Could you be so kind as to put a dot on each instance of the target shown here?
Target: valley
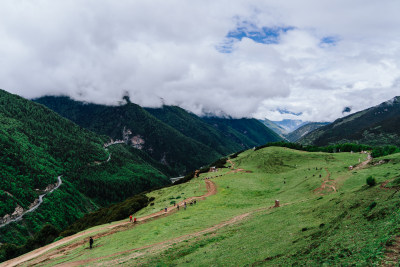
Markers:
(37, 146)
(315, 224)
(199, 133)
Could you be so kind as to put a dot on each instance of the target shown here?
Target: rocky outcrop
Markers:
(137, 142)
(8, 217)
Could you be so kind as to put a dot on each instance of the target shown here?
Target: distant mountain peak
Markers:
(391, 102)
(377, 125)
(290, 125)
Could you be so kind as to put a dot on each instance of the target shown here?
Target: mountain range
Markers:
(304, 130)
(171, 135)
(37, 146)
(378, 125)
(55, 169)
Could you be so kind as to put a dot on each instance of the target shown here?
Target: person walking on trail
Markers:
(134, 220)
(184, 205)
(177, 207)
(91, 242)
(165, 209)
(130, 218)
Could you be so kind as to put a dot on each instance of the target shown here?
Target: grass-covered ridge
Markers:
(375, 126)
(345, 222)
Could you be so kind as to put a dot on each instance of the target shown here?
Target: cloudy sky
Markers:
(245, 58)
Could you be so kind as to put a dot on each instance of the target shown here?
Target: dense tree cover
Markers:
(223, 135)
(45, 236)
(303, 130)
(381, 151)
(109, 214)
(60, 208)
(125, 175)
(49, 232)
(376, 126)
(171, 135)
(249, 132)
(161, 141)
(328, 149)
(37, 145)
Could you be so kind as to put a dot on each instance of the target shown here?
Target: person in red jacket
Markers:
(134, 220)
(130, 218)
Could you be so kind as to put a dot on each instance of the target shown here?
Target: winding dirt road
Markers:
(211, 190)
(39, 200)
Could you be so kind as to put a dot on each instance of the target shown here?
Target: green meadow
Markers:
(346, 223)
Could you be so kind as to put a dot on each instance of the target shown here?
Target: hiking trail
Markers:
(211, 190)
(160, 246)
(325, 184)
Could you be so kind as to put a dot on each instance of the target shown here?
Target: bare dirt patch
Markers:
(392, 255)
(328, 185)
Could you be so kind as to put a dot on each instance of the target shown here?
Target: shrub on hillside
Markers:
(371, 181)
(45, 236)
(114, 212)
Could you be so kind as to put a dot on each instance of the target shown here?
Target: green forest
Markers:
(37, 145)
(182, 140)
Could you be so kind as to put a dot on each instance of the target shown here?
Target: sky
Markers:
(287, 59)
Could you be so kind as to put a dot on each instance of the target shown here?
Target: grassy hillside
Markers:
(37, 145)
(328, 215)
(378, 125)
(303, 130)
(143, 130)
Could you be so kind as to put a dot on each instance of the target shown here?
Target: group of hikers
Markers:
(208, 178)
(132, 219)
(193, 202)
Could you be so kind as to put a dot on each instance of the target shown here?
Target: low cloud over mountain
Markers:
(243, 59)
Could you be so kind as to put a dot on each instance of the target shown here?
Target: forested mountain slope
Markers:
(379, 125)
(170, 135)
(138, 128)
(37, 145)
(303, 130)
(249, 132)
(218, 134)
(275, 127)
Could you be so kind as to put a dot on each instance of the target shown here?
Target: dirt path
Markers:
(211, 190)
(232, 164)
(325, 185)
(364, 163)
(168, 243)
(233, 170)
(161, 245)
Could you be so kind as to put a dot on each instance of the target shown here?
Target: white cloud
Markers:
(96, 50)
